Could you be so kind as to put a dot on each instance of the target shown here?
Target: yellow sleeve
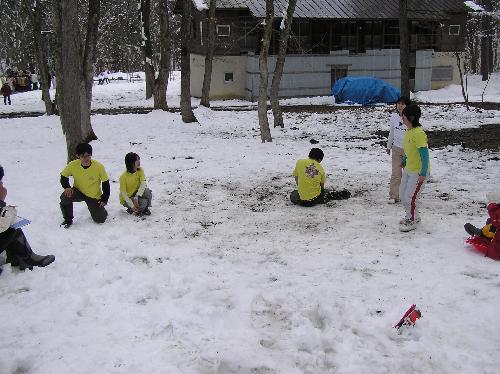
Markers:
(103, 174)
(67, 171)
(142, 176)
(123, 185)
(421, 140)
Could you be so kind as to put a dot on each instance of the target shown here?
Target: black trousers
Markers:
(295, 198)
(7, 98)
(15, 244)
(98, 213)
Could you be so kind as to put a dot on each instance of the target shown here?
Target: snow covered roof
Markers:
(474, 6)
(364, 9)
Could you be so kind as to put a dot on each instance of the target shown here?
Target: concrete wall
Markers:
(423, 70)
(310, 75)
(444, 60)
(221, 65)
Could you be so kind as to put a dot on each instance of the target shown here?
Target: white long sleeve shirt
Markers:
(396, 132)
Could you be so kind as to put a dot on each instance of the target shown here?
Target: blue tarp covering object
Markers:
(364, 91)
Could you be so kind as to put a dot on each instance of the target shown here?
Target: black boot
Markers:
(35, 260)
(472, 230)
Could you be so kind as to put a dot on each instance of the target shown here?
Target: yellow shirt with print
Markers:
(87, 181)
(130, 182)
(310, 175)
(414, 139)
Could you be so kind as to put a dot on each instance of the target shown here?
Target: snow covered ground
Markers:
(227, 276)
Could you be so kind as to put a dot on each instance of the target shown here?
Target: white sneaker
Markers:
(403, 220)
(408, 225)
(393, 201)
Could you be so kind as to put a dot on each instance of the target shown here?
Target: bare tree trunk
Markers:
(74, 71)
(404, 48)
(265, 132)
(280, 64)
(485, 69)
(69, 71)
(147, 46)
(464, 93)
(40, 55)
(160, 89)
(87, 79)
(209, 57)
(186, 109)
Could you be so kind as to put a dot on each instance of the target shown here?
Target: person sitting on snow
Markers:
(13, 241)
(488, 232)
(310, 179)
(134, 194)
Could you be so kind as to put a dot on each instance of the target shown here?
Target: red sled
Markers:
(409, 318)
(478, 243)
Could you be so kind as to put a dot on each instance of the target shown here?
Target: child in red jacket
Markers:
(489, 232)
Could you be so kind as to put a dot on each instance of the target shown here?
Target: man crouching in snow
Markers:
(88, 175)
(310, 178)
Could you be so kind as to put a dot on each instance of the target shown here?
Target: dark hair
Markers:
(404, 99)
(413, 113)
(1, 172)
(130, 159)
(83, 148)
(316, 154)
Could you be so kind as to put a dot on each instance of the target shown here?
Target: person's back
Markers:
(310, 178)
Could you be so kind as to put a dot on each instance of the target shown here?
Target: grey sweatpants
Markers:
(409, 192)
(144, 200)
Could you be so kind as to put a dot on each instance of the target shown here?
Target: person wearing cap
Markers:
(13, 241)
(416, 166)
(395, 145)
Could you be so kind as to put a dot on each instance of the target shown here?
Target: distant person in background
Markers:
(106, 76)
(88, 176)
(34, 81)
(416, 166)
(13, 241)
(6, 92)
(54, 81)
(395, 144)
(134, 193)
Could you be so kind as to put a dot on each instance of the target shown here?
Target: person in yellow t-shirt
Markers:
(416, 166)
(88, 176)
(310, 178)
(134, 194)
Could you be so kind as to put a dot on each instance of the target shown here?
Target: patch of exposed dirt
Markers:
(485, 137)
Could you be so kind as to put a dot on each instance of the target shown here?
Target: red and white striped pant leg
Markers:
(409, 194)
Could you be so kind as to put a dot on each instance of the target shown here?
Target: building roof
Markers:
(364, 9)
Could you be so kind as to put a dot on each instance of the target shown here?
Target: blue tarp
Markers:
(364, 91)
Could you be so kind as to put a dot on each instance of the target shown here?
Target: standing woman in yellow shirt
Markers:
(416, 166)
(134, 194)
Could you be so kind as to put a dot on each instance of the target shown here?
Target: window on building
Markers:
(223, 30)
(299, 41)
(442, 73)
(249, 34)
(391, 34)
(454, 30)
(424, 35)
(228, 77)
(339, 36)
